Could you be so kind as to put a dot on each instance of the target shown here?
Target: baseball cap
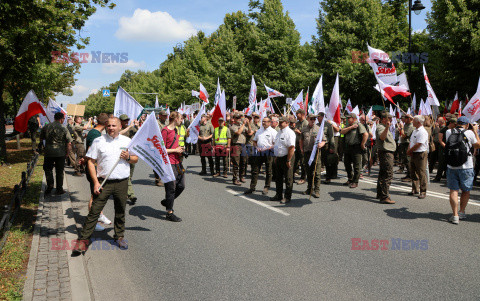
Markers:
(463, 120)
(284, 119)
(353, 115)
(124, 117)
(385, 115)
(163, 113)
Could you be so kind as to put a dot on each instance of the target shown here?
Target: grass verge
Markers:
(14, 258)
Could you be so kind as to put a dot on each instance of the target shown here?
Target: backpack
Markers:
(456, 148)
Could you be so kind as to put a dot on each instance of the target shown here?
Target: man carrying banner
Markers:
(162, 122)
(355, 138)
(105, 151)
(299, 125)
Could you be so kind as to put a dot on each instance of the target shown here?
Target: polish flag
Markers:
(203, 93)
(31, 106)
(455, 104)
(334, 106)
(220, 110)
(391, 91)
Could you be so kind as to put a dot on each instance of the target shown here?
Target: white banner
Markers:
(318, 139)
(194, 127)
(318, 101)
(148, 145)
(126, 104)
(252, 96)
(382, 66)
(298, 103)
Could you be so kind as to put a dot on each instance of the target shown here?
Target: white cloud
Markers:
(158, 26)
(79, 89)
(118, 68)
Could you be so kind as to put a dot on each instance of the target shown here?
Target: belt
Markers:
(385, 151)
(112, 180)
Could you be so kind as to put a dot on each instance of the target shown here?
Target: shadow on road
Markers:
(142, 212)
(403, 213)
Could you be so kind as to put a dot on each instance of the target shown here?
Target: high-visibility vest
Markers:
(181, 135)
(341, 127)
(222, 139)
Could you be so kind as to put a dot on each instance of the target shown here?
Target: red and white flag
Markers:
(334, 105)
(220, 110)
(472, 108)
(455, 104)
(203, 93)
(432, 98)
(389, 91)
(272, 93)
(30, 107)
(148, 145)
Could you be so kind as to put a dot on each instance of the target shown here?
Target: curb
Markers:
(32, 260)
(79, 281)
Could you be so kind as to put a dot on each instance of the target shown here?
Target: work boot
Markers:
(237, 182)
(265, 191)
(203, 172)
(316, 194)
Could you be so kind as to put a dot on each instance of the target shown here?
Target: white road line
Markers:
(235, 193)
(429, 193)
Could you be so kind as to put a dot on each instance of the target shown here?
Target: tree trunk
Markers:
(3, 144)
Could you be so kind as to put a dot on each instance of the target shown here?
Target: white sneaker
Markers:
(99, 227)
(104, 219)
(454, 219)
(462, 215)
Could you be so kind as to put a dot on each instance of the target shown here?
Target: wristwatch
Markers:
(128, 160)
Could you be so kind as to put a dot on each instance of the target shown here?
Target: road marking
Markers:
(408, 189)
(235, 193)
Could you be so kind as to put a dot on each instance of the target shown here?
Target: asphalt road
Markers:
(229, 247)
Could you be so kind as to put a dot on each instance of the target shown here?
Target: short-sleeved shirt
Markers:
(407, 130)
(78, 129)
(444, 132)
(92, 135)
(309, 134)
(106, 151)
(254, 128)
(131, 132)
(389, 143)
(285, 138)
(419, 135)
(205, 131)
(265, 137)
(238, 139)
(299, 125)
(168, 136)
(56, 138)
(354, 136)
(471, 140)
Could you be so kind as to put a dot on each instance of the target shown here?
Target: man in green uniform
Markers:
(71, 153)
(205, 148)
(239, 130)
(129, 131)
(299, 125)
(57, 142)
(386, 148)
(162, 122)
(221, 140)
(405, 132)
(355, 138)
(307, 142)
(329, 152)
(33, 126)
(78, 145)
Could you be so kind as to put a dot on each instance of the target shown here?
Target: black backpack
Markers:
(456, 148)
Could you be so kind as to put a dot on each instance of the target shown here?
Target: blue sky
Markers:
(149, 29)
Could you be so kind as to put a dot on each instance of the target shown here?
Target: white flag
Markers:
(374, 131)
(318, 139)
(298, 103)
(356, 110)
(369, 114)
(252, 96)
(472, 108)
(217, 93)
(126, 104)
(402, 79)
(156, 102)
(382, 66)
(432, 98)
(148, 145)
(194, 127)
(349, 107)
(414, 104)
(318, 101)
(335, 103)
(53, 108)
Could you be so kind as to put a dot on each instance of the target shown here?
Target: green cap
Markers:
(124, 117)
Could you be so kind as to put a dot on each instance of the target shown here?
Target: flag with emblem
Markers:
(272, 93)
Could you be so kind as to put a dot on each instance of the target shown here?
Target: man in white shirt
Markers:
(460, 172)
(284, 150)
(418, 150)
(263, 153)
(105, 151)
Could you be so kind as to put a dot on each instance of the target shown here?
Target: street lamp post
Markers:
(417, 8)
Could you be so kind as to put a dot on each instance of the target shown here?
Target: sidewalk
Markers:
(52, 273)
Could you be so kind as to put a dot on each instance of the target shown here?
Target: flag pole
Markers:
(314, 171)
(271, 99)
